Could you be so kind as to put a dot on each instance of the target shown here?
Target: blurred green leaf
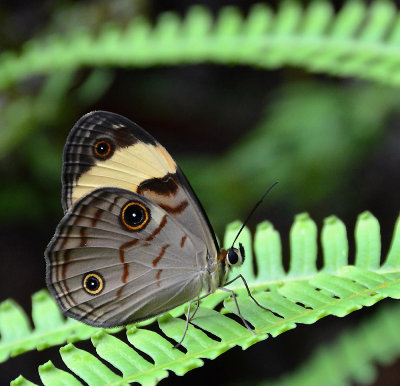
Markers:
(312, 138)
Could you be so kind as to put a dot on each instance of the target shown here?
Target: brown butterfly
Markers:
(135, 241)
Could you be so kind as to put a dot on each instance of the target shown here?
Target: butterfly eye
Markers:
(233, 257)
(134, 216)
(102, 149)
(93, 283)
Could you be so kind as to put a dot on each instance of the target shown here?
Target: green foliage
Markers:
(309, 132)
(353, 356)
(51, 328)
(359, 41)
(302, 295)
(25, 114)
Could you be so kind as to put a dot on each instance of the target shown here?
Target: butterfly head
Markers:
(235, 256)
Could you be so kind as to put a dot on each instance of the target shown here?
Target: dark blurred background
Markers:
(333, 144)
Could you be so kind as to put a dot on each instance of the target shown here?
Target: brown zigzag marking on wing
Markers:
(159, 257)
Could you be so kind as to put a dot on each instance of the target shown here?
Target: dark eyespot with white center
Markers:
(93, 283)
(103, 149)
(135, 216)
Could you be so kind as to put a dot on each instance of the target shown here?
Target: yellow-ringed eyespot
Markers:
(93, 283)
(135, 216)
(103, 149)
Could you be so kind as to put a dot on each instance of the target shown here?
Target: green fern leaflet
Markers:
(352, 357)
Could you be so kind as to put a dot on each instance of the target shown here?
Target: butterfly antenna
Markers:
(254, 209)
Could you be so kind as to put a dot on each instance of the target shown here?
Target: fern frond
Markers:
(360, 41)
(353, 356)
(50, 328)
(303, 295)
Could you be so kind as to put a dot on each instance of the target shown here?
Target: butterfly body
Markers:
(134, 241)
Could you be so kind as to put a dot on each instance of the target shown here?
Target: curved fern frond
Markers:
(359, 40)
(352, 358)
(302, 295)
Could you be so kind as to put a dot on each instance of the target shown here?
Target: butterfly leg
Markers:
(190, 317)
(248, 290)
(237, 308)
(195, 310)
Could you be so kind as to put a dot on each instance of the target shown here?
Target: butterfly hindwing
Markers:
(117, 258)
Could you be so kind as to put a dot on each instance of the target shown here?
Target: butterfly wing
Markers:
(107, 272)
(106, 149)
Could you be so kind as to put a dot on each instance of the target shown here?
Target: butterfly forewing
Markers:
(107, 150)
(107, 271)
(86, 167)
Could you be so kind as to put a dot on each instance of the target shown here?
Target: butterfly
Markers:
(134, 241)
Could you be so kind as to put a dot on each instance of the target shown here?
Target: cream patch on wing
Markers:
(167, 157)
(126, 169)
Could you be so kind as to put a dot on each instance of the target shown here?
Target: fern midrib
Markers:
(320, 42)
(198, 354)
(288, 279)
